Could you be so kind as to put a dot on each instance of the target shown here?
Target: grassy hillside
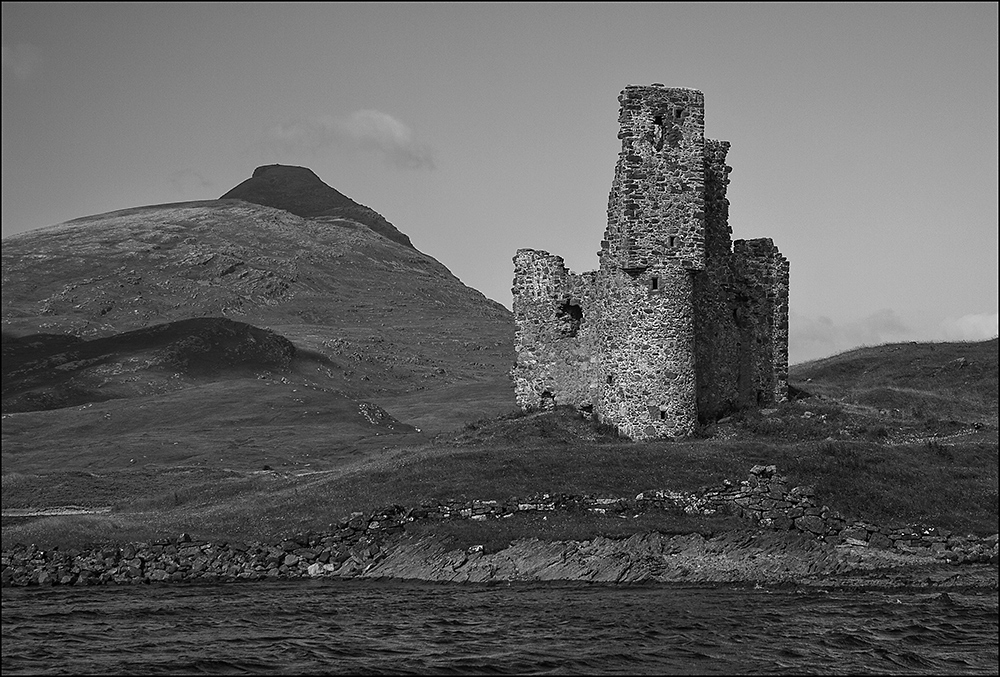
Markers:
(867, 462)
(242, 368)
(383, 319)
(920, 380)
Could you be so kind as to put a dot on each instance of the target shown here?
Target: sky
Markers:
(864, 136)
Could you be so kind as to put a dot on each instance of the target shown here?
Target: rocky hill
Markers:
(298, 190)
(379, 319)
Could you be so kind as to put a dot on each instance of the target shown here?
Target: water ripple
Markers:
(346, 627)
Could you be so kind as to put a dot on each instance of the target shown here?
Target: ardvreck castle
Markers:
(679, 323)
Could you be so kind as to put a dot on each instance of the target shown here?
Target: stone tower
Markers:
(678, 323)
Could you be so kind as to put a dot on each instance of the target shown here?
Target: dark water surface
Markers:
(365, 627)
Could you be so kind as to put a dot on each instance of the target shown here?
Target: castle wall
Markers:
(553, 310)
(764, 331)
(654, 239)
(679, 323)
(646, 352)
(656, 206)
(716, 297)
(779, 336)
(718, 232)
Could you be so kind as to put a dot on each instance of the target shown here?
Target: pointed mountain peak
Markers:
(286, 172)
(300, 191)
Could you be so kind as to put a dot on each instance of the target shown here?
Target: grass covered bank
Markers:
(893, 462)
(953, 486)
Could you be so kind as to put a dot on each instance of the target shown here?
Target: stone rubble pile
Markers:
(766, 499)
(359, 542)
(346, 550)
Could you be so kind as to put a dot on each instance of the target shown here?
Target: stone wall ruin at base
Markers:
(362, 540)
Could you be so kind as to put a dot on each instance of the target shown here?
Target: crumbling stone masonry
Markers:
(679, 323)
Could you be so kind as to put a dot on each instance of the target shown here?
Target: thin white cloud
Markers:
(811, 338)
(974, 327)
(21, 60)
(300, 136)
(368, 131)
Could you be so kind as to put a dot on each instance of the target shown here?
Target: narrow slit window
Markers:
(654, 283)
(663, 415)
(673, 240)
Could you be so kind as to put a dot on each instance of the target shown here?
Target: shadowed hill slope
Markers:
(298, 190)
(48, 372)
(227, 371)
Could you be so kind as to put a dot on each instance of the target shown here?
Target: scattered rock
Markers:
(376, 545)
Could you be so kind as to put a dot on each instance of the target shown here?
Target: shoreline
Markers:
(788, 539)
(749, 559)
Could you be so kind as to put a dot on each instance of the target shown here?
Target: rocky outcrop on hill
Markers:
(298, 190)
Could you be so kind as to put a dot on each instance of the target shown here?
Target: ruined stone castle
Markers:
(679, 323)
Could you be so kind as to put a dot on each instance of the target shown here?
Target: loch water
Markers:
(351, 627)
